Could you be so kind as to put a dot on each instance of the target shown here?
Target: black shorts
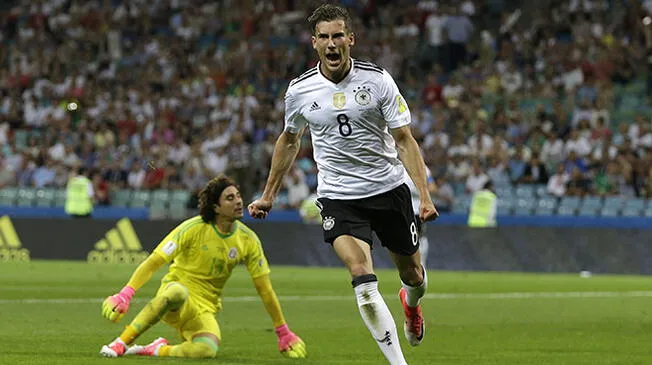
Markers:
(389, 214)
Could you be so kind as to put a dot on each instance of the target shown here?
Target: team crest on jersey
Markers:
(339, 100)
(233, 253)
(362, 95)
(328, 224)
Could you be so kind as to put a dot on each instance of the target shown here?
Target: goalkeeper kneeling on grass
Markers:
(203, 250)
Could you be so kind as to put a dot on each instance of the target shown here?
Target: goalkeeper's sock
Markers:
(200, 347)
(415, 293)
(378, 318)
(171, 298)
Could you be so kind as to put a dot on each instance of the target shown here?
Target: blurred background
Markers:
(547, 99)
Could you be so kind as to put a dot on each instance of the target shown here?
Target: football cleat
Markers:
(147, 350)
(115, 349)
(414, 326)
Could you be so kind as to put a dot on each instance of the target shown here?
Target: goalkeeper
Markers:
(203, 250)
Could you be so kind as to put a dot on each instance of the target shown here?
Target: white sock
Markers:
(423, 248)
(415, 293)
(379, 321)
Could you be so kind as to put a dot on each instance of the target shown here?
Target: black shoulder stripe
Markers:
(368, 64)
(380, 71)
(303, 77)
(307, 72)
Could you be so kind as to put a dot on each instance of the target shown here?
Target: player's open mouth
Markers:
(333, 58)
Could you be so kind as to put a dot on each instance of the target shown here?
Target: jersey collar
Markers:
(344, 79)
(222, 235)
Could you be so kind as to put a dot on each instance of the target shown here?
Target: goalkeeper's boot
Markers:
(147, 350)
(414, 326)
(116, 348)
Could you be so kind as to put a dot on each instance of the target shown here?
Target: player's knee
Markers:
(176, 294)
(412, 275)
(203, 350)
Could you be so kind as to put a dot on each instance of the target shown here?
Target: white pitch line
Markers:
(292, 298)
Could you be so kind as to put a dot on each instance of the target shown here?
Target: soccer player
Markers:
(424, 244)
(203, 250)
(358, 120)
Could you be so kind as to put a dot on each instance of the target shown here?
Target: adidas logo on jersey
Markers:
(119, 245)
(10, 245)
(314, 106)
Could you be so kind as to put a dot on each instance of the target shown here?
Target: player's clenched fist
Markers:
(259, 208)
(117, 305)
(290, 344)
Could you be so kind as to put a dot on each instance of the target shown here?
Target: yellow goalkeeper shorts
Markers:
(190, 320)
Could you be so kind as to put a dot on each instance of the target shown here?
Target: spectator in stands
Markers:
(535, 172)
(557, 183)
(444, 195)
(578, 185)
(516, 164)
(101, 189)
(136, 177)
(477, 179)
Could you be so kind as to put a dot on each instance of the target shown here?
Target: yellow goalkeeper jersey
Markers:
(203, 258)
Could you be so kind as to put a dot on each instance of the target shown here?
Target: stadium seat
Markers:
(566, 211)
(121, 198)
(504, 205)
(544, 211)
(631, 212)
(60, 198)
(504, 192)
(635, 204)
(8, 196)
(177, 210)
(523, 211)
(525, 191)
(20, 138)
(608, 211)
(179, 196)
(139, 199)
(541, 190)
(614, 202)
(570, 202)
(461, 204)
(26, 197)
(588, 211)
(547, 203)
(648, 212)
(158, 210)
(591, 202)
(160, 196)
(525, 205)
(45, 197)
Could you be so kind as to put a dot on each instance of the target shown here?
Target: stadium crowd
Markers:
(168, 93)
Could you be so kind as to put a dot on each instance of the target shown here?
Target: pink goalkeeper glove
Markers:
(290, 344)
(117, 305)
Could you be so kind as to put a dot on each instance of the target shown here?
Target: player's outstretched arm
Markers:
(410, 155)
(285, 151)
(289, 344)
(117, 305)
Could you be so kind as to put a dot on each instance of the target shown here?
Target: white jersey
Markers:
(414, 193)
(355, 153)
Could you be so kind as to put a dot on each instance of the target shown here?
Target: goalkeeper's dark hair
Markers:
(209, 196)
(327, 13)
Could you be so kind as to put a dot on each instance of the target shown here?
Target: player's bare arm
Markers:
(285, 151)
(409, 154)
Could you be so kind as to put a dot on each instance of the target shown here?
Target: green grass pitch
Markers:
(50, 314)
